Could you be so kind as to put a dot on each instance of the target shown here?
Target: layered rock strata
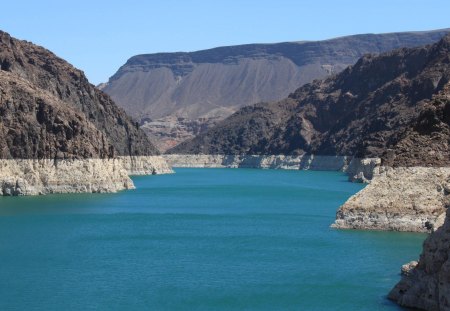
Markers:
(399, 199)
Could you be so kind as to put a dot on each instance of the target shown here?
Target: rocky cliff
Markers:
(425, 284)
(198, 88)
(60, 133)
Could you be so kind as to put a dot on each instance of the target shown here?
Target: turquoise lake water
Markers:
(200, 239)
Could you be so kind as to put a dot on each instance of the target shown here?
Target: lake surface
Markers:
(200, 239)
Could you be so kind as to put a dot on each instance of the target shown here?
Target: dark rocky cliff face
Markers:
(34, 124)
(215, 83)
(426, 285)
(393, 106)
(48, 109)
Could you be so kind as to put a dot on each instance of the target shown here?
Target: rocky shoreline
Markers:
(45, 176)
(425, 284)
(305, 162)
(145, 165)
(359, 170)
(398, 199)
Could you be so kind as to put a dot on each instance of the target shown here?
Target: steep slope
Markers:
(49, 73)
(387, 106)
(36, 125)
(60, 133)
(425, 284)
(215, 83)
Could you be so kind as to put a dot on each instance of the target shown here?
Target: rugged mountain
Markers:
(214, 83)
(60, 133)
(394, 106)
(36, 124)
(46, 73)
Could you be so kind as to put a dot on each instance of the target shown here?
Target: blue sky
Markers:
(99, 36)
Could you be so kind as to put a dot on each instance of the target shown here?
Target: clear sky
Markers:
(99, 36)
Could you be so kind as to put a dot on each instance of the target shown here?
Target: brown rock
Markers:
(59, 99)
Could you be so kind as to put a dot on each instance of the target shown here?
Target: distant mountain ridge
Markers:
(212, 84)
(395, 106)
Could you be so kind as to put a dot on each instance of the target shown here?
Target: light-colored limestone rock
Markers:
(195, 160)
(145, 165)
(32, 177)
(306, 162)
(407, 268)
(363, 170)
(400, 199)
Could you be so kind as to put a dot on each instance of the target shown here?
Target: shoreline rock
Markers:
(398, 199)
(426, 285)
(145, 165)
(304, 162)
(35, 177)
(46, 176)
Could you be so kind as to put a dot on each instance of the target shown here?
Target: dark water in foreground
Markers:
(201, 239)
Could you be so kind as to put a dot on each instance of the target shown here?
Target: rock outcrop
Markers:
(145, 165)
(200, 87)
(398, 199)
(167, 132)
(60, 133)
(45, 176)
(426, 285)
